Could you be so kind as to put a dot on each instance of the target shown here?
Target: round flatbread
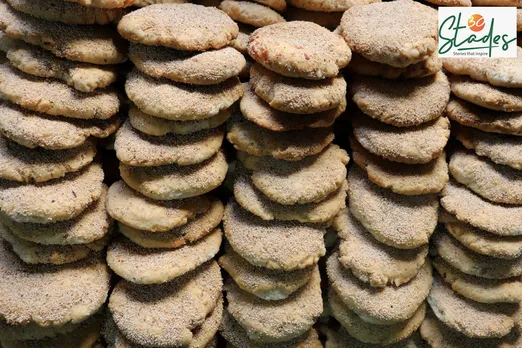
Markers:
(181, 102)
(499, 219)
(376, 32)
(328, 5)
(89, 44)
(157, 266)
(383, 306)
(276, 245)
(299, 49)
(293, 145)
(404, 222)
(363, 66)
(497, 183)
(310, 180)
(33, 130)
(405, 179)
(199, 68)
(196, 228)
(371, 261)
(34, 253)
(204, 336)
(268, 284)
(479, 289)
(412, 145)
(258, 204)
(438, 334)
(341, 338)
(470, 115)
(137, 149)
(501, 149)
(55, 98)
(71, 293)
(474, 264)
(250, 13)
(39, 62)
(166, 314)
(18, 163)
(157, 126)
(473, 319)
(66, 12)
(139, 212)
(175, 182)
(485, 243)
(91, 225)
(276, 321)
(371, 334)
(52, 201)
(485, 95)
(179, 26)
(297, 96)
(259, 112)
(502, 72)
(329, 20)
(237, 337)
(402, 104)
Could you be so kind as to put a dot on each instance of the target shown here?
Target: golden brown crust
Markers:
(412, 145)
(393, 336)
(171, 181)
(277, 245)
(402, 104)
(400, 221)
(52, 201)
(18, 163)
(387, 306)
(199, 68)
(259, 112)
(137, 211)
(56, 98)
(89, 44)
(33, 130)
(406, 179)
(276, 321)
(297, 96)
(388, 43)
(253, 14)
(180, 26)
(499, 219)
(157, 266)
(292, 145)
(468, 317)
(299, 49)
(175, 101)
(137, 149)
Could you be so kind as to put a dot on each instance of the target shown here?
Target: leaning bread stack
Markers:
(381, 275)
(290, 182)
(477, 289)
(60, 60)
(182, 87)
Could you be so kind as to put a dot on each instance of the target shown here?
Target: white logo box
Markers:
(490, 33)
